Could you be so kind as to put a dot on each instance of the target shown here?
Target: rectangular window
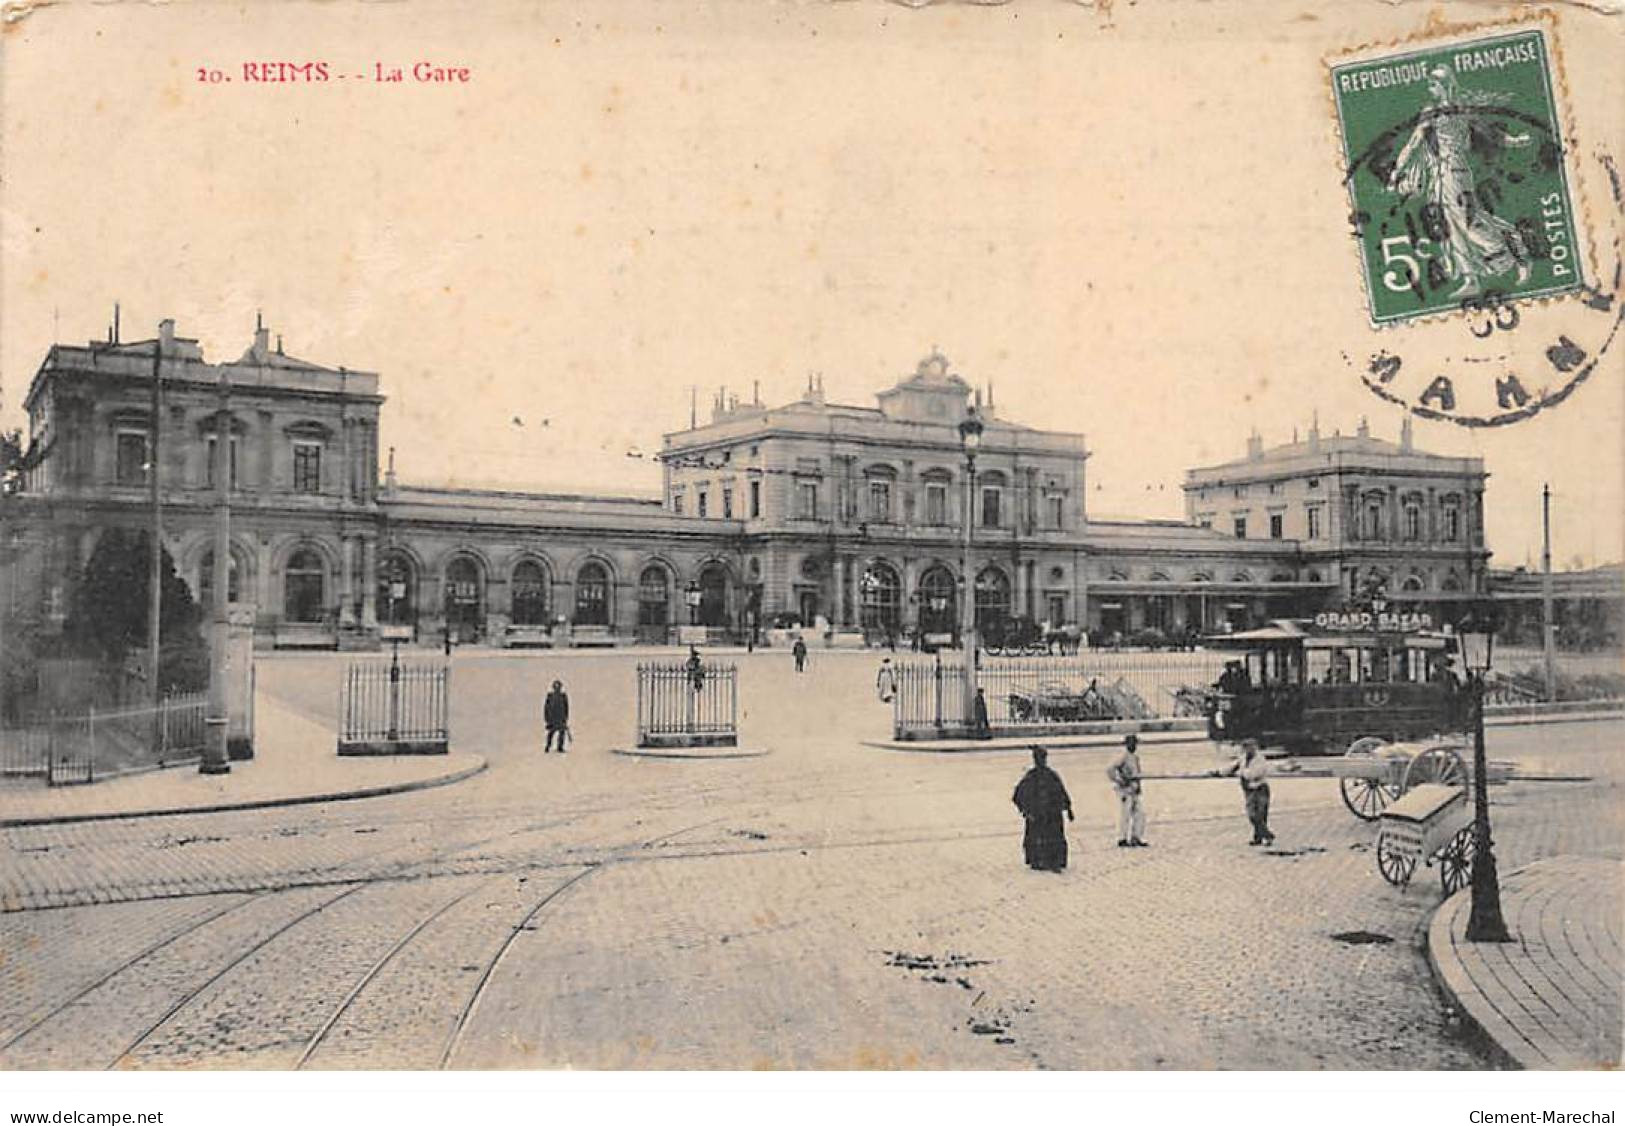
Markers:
(208, 469)
(701, 501)
(807, 500)
(990, 508)
(307, 467)
(1452, 524)
(1314, 522)
(1413, 523)
(936, 505)
(755, 499)
(1057, 509)
(677, 503)
(1276, 522)
(132, 457)
(727, 502)
(880, 502)
(1241, 527)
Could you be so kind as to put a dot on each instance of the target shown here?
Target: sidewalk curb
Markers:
(1451, 983)
(1166, 737)
(258, 803)
(675, 753)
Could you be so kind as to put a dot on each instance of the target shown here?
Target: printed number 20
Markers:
(1398, 281)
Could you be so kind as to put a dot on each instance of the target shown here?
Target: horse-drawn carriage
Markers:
(1024, 637)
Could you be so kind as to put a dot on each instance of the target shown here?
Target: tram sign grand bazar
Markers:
(1377, 619)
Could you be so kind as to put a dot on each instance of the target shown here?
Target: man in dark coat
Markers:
(556, 716)
(1042, 798)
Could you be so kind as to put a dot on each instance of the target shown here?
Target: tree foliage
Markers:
(107, 615)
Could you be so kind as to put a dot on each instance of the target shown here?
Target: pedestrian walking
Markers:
(1125, 774)
(886, 681)
(556, 716)
(979, 725)
(1041, 797)
(1253, 770)
(799, 652)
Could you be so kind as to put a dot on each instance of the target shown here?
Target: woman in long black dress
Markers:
(1042, 798)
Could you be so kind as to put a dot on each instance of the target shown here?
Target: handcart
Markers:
(1432, 822)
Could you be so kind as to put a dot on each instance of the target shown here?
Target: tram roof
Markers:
(1289, 631)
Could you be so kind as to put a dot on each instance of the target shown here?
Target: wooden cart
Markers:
(1373, 773)
(1431, 822)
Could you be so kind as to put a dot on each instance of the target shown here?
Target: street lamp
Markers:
(1476, 636)
(970, 440)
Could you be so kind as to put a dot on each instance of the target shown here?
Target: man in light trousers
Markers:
(1124, 774)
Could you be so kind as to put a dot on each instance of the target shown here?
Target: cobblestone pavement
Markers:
(829, 905)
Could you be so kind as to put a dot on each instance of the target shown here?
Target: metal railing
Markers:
(683, 705)
(66, 750)
(1033, 692)
(395, 707)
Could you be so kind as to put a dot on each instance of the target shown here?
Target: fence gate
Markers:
(395, 708)
(683, 706)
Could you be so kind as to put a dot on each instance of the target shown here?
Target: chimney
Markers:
(756, 392)
(389, 472)
(1406, 438)
(115, 323)
(1255, 446)
(1365, 430)
(262, 341)
(279, 344)
(1314, 434)
(166, 336)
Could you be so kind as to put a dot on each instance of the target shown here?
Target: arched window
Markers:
(1413, 522)
(1412, 583)
(1452, 518)
(531, 589)
(882, 598)
(1451, 584)
(714, 595)
(1241, 577)
(465, 598)
(939, 608)
(1373, 520)
(205, 580)
(304, 582)
(592, 595)
(654, 602)
(992, 599)
(397, 590)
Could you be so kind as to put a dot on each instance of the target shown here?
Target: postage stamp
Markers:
(1458, 175)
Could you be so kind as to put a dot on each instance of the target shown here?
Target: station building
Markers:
(809, 511)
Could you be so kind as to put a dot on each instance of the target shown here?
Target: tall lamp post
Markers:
(970, 440)
(216, 758)
(1476, 635)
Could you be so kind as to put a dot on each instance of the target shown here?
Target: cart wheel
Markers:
(1365, 797)
(1369, 745)
(1456, 861)
(1436, 764)
(1395, 867)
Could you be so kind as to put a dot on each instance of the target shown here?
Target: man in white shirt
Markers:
(1253, 770)
(1124, 774)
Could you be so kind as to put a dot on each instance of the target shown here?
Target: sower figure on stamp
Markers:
(556, 716)
(1042, 798)
(1434, 165)
(1253, 771)
(1124, 774)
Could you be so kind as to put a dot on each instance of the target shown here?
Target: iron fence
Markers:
(65, 750)
(682, 704)
(395, 707)
(1032, 692)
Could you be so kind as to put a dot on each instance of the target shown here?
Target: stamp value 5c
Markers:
(1456, 172)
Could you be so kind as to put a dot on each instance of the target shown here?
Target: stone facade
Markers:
(806, 512)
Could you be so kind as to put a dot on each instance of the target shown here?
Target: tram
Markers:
(1321, 685)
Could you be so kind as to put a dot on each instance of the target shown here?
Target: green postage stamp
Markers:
(1456, 171)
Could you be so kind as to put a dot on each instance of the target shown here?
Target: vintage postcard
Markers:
(811, 537)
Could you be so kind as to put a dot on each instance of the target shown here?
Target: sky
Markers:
(1129, 222)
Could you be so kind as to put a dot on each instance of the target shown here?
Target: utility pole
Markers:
(155, 576)
(215, 759)
(1548, 628)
